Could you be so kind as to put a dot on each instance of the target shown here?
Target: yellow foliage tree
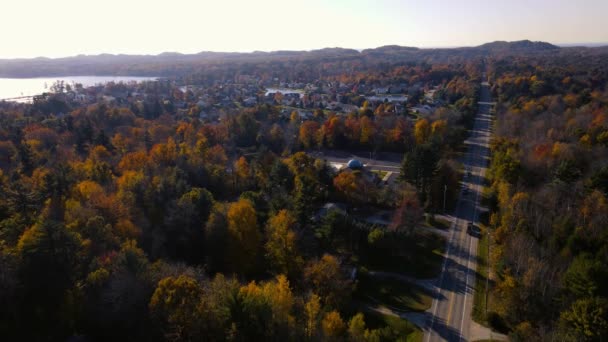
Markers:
(333, 326)
(294, 118)
(120, 142)
(368, 130)
(133, 161)
(164, 154)
(281, 300)
(346, 183)
(308, 131)
(421, 131)
(439, 127)
(244, 242)
(312, 310)
(274, 297)
(89, 190)
(176, 303)
(126, 229)
(356, 328)
(328, 280)
(100, 154)
(281, 249)
(241, 169)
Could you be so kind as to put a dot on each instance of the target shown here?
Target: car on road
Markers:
(473, 230)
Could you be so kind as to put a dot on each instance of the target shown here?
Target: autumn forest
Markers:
(201, 206)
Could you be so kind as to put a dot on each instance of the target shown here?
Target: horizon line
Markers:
(563, 44)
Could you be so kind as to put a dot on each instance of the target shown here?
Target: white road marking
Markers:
(479, 188)
(445, 261)
(471, 155)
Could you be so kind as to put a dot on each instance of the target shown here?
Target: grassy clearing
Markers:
(479, 301)
(393, 326)
(442, 223)
(439, 223)
(394, 294)
(418, 255)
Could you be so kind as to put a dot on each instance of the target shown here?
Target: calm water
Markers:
(284, 91)
(16, 87)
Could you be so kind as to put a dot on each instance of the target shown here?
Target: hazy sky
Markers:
(56, 28)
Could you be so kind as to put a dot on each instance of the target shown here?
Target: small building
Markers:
(354, 164)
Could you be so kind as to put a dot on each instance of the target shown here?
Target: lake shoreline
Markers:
(14, 88)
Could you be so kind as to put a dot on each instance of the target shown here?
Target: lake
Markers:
(17, 87)
(284, 91)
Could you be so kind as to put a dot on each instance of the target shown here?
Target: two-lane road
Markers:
(450, 313)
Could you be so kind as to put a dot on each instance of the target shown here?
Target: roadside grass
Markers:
(439, 223)
(418, 255)
(488, 199)
(400, 328)
(380, 173)
(479, 300)
(396, 295)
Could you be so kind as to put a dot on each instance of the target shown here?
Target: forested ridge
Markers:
(176, 64)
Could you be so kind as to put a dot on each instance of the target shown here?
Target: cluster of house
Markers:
(208, 102)
(342, 98)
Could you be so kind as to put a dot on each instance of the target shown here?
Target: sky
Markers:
(58, 28)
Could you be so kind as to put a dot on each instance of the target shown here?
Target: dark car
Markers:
(473, 230)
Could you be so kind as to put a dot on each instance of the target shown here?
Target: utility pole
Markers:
(445, 188)
(488, 272)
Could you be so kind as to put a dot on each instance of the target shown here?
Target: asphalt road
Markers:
(384, 161)
(450, 313)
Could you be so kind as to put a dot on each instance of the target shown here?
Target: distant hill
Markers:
(334, 52)
(176, 64)
(391, 49)
(518, 46)
(603, 44)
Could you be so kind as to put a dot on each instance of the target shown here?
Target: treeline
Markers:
(549, 182)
